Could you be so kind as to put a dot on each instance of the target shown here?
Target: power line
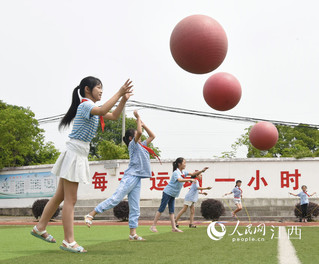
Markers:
(133, 103)
(219, 116)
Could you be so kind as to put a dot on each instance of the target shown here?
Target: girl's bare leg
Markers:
(174, 228)
(132, 231)
(172, 218)
(51, 207)
(192, 209)
(239, 207)
(156, 218)
(70, 197)
(93, 213)
(181, 212)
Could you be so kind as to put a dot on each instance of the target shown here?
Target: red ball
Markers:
(222, 91)
(198, 44)
(263, 135)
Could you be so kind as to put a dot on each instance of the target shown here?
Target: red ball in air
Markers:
(222, 91)
(198, 44)
(263, 135)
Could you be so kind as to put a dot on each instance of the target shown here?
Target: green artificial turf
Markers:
(109, 244)
(307, 248)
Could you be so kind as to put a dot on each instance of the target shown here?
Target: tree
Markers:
(107, 145)
(108, 150)
(299, 142)
(112, 132)
(22, 141)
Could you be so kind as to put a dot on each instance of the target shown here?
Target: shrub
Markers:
(312, 210)
(38, 207)
(212, 209)
(121, 211)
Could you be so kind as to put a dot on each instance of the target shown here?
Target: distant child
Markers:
(172, 190)
(238, 194)
(130, 185)
(303, 201)
(190, 199)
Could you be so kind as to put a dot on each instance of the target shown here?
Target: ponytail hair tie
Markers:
(78, 88)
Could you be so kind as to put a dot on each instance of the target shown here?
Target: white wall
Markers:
(244, 169)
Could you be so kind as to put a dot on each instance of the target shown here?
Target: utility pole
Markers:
(123, 124)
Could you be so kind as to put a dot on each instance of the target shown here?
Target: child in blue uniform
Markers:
(238, 194)
(172, 190)
(130, 185)
(190, 199)
(303, 201)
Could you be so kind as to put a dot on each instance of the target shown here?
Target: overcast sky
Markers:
(47, 47)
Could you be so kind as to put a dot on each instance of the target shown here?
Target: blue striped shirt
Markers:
(85, 125)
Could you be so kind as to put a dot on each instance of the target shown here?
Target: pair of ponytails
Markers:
(89, 82)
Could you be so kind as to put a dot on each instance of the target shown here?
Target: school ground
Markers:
(107, 242)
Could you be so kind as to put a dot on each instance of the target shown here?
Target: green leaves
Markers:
(107, 145)
(108, 150)
(22, 141)
(297, 142)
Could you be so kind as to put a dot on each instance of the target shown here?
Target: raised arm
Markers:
(313, 194)
(293, 194)
(227, 194)
(118, 110)
(150, 134)
(198, 172)
(107, 106)
(139, 126)
(204, 188)
(186, 180)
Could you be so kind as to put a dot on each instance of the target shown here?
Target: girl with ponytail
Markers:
(72, 166)
(172, 190)
(238, 194)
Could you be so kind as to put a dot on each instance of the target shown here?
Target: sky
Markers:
(47, 47)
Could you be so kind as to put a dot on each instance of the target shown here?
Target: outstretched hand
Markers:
(206, 168)
(126, 88)
(128, 95)
(136, 114)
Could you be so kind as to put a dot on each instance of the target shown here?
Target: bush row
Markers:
(211, 209)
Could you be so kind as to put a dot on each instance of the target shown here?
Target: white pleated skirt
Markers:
(73, 164)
